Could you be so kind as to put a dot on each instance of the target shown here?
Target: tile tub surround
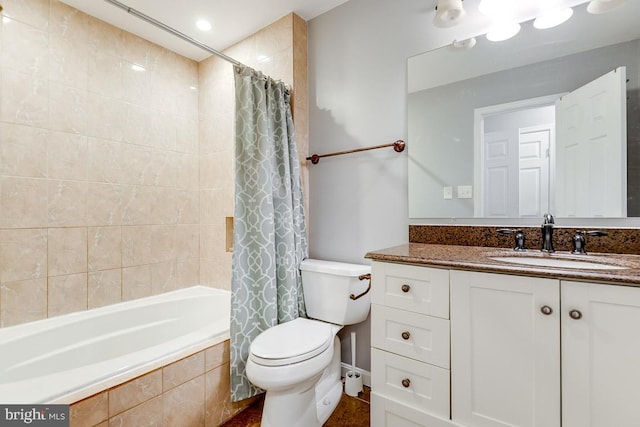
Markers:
(104, 168)
(619, 240)
(193, 391)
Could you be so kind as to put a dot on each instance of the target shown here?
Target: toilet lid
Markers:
(291, 342)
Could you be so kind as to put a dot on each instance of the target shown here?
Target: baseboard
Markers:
(366, 375)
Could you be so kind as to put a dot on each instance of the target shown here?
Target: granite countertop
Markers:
(478, 258)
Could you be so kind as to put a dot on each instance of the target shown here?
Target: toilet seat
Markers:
(291, 342)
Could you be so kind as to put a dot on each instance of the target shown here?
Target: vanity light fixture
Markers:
(552, 18)
(448, 13)
(603, 6)
(503, 30)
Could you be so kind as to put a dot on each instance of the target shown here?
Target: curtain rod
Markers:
(173, 31)
(398, 147)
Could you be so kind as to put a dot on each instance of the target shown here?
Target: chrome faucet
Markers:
(547, 233)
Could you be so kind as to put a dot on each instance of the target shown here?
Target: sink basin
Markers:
(557, 263)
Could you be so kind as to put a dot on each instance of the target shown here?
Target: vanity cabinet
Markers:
(524, 351)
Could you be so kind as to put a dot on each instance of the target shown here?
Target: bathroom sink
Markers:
(558, 262)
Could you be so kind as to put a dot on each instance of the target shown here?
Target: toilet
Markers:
(297, 363)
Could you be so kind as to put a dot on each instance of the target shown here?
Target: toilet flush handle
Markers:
(362, 277)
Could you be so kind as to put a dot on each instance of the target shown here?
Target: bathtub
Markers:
(67, 358)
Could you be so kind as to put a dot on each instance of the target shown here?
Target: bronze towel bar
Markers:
(398, 147)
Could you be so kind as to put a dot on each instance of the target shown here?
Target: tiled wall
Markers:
(115, 181)
(190, 392)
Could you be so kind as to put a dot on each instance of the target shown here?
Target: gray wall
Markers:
(357, 98)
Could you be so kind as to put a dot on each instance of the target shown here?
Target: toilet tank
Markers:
(327, 286)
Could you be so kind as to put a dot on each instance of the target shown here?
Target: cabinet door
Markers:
(505, 352)
(600, 355)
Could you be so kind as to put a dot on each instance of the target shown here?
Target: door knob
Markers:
(575, 314)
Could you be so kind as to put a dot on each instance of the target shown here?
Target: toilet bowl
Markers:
(297, 363)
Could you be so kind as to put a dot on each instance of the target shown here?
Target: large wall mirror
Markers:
(548, 121)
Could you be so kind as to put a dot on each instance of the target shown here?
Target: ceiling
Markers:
(232, 21)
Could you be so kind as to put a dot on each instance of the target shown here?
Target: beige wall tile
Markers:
(182, 371)
(67, 251)
(216, 355)
(67, 294)
(68, 46)
(136, 245)
(164, 277)
(164, 206)
(104, 248)
(25, 48)
(218, 405)
(184, 405)
(135, 392)
(23, 254)
(105, 38)
(90, 411)
(187, 241)
(67, 108)
(188, 206)
(105, 74)
(136, 282)
(105, 160)
(105, 117)
(67, 156)
(104, 202)
(22, 201)
(32, 12)
(149, 413)
(104, 287)
(163, 243)
(67, 203)
(136, 204)
(23, 151)
(23, 301)
(25, 99)
(188, 272)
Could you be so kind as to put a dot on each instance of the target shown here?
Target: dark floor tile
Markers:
(350, 412)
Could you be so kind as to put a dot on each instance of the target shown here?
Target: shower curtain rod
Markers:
(173, 31)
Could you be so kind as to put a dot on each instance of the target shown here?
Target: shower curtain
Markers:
(269, 239)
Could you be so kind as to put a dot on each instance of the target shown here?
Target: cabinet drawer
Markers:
(416, 384)
(387, 412)
(426, 338)
(418, 289)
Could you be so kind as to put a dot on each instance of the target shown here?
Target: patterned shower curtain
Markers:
(269, 239)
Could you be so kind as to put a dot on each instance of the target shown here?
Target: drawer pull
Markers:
(405, 288)
(406, 383)
(575, 314)
(546, 310)
(406, 335)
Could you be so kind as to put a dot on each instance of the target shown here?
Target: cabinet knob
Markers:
(406, 383)
(575, 314)
(405, 288)
(406, 335)
(546, 310)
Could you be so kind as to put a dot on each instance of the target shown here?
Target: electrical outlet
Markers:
(465, 191)
(448, 193)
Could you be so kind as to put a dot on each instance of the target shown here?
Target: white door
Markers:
(600, 355)
(501, 174)
(505, 353)
(533, 178)
(591, 151)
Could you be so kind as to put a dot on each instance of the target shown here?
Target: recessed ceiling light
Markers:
(203, 25)
(552, 18)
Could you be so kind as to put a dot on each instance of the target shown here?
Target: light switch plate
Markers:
(448, 192)
(465, 192)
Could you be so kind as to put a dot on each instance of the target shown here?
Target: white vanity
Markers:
(501, 345)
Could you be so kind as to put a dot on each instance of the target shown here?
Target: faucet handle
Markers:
(579, 241)
(519, 237)
(548, 219)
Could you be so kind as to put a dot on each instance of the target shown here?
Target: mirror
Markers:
(459, 100)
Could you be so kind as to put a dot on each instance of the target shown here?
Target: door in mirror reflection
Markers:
(591, 161)
(524, 169)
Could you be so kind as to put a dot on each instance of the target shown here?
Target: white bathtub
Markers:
(67, 358)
